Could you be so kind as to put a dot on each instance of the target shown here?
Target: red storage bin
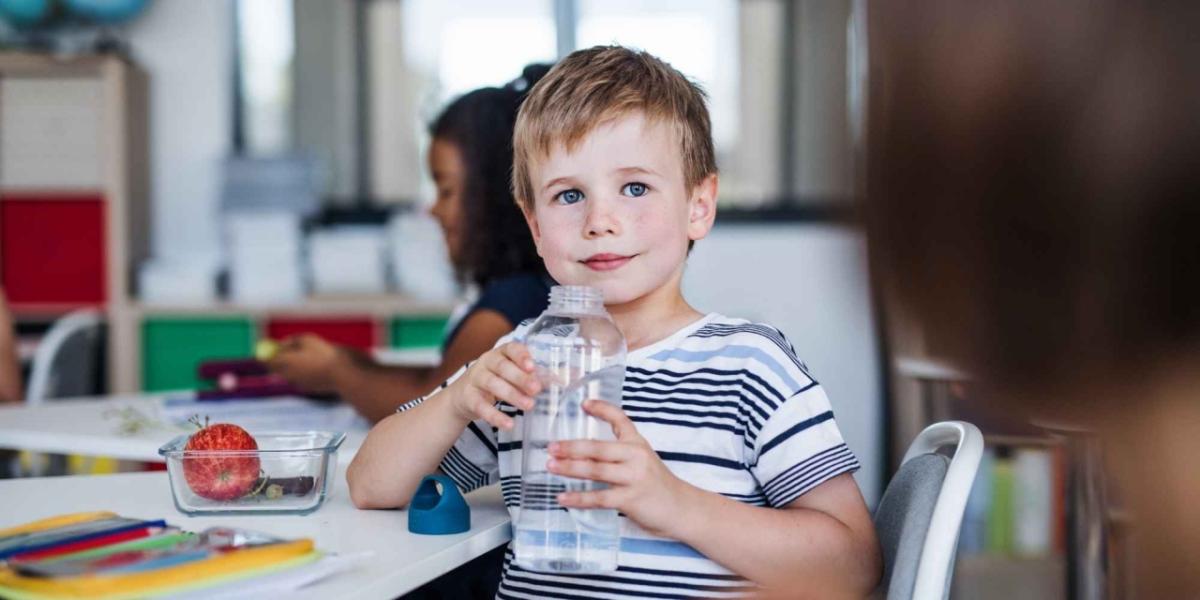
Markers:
(356, 332)
(52, 249)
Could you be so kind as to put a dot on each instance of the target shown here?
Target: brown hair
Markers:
(596, 85)
(480, 123)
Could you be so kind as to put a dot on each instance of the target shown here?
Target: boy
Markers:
(728, 467)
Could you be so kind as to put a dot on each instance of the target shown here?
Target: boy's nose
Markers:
(600, 220)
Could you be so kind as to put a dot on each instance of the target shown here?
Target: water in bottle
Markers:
(579, 355)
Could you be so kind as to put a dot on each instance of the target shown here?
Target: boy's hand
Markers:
(642, 486)
(505, 374)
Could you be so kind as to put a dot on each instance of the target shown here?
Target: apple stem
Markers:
(262, 483)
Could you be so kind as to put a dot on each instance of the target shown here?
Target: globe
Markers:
(106, 12)
(24, 13)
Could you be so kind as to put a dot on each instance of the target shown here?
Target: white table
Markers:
(400, 561)
(92, 426)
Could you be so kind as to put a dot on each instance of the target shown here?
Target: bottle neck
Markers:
(576, 299)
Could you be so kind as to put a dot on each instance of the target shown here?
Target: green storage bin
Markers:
(418, 332)
(173, 347)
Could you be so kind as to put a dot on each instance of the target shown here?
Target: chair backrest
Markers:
(919, 516)
(68, 361)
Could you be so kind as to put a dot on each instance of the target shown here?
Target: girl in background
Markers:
(489, 245)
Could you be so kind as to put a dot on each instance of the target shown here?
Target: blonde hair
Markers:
(596, 85)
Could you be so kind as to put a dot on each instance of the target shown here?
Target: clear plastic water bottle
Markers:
(579, 355)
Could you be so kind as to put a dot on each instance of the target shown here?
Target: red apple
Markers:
(219, 477)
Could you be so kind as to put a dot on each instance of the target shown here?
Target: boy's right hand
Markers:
(504, 374)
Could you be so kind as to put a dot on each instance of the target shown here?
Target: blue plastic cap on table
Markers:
(431, 513)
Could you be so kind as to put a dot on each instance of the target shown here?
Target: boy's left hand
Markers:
(643, 488)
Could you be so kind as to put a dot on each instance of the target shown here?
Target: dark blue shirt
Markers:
(518, 297)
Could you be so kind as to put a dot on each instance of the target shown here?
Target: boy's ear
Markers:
(702, 208)
(534, 230)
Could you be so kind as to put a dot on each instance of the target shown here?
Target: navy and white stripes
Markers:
(729, 408)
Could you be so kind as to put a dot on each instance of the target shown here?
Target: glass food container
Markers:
(289, 473)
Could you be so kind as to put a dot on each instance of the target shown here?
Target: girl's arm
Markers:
(373, 389)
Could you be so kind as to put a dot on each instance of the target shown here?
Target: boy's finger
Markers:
(493, 416)
(504, 391)
(526, 382)
(612, 414)
(519, 354)
(591, 449)
(607, 472)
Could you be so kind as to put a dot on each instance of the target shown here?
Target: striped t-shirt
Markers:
(728, 407)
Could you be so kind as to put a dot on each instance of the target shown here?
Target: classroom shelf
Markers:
(74, 226)
(74, 192)
(172, 348)
(174, 340)
(52, 249)
(378, 306)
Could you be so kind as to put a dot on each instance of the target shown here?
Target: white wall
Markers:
(186, 47)
(810, 281)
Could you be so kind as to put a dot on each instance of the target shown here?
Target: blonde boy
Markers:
(728, 467)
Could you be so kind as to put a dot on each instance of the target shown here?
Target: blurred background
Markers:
(203, 175)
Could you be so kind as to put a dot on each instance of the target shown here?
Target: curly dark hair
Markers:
(480, 123)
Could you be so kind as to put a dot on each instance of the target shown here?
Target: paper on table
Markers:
(287, 413)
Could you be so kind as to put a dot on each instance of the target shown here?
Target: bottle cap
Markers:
(431, 513)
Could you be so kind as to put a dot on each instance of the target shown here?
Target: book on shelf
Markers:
(1016, 507)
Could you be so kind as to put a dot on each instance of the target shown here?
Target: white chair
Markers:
(919, 516)
(68, 363)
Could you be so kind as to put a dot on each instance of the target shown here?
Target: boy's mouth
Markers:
(606, 262)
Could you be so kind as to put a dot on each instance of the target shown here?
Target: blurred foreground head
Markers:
(1033, 203)
(1034, 183)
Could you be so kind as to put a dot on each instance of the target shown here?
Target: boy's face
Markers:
(615, 212)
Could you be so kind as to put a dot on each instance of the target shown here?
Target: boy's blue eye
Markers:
(570, 196)
(635, 189)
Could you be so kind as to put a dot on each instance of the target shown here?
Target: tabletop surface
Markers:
(133, 427)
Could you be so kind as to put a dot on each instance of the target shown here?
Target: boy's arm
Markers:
(405, 447)
(823, 544)
(401, 449)
(823, 541)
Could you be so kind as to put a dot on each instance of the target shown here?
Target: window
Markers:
(460, 46)
(776, 72)
(265, 49)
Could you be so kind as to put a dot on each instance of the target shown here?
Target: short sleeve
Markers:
(472, 461)
(800, 447)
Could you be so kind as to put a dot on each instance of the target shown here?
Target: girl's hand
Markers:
(643, 488)
(309, 362)
(502, 374)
